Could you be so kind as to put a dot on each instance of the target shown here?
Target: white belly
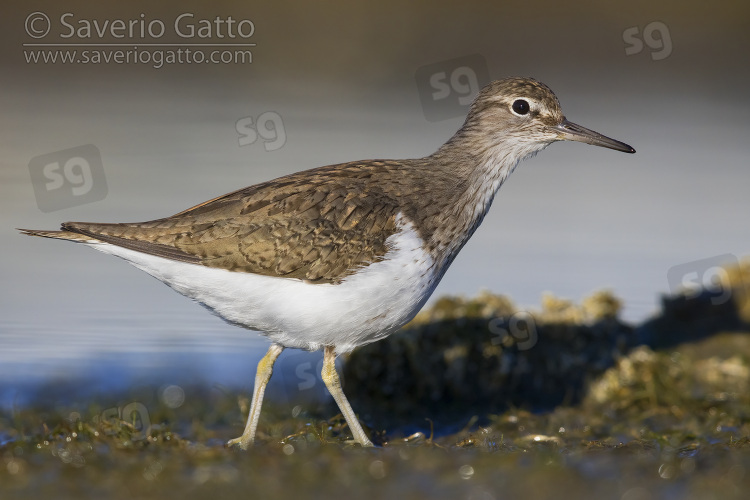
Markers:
(365, 307)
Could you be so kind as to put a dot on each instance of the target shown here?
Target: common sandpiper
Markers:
(343, 255)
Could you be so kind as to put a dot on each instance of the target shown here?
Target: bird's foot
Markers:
(242, 443)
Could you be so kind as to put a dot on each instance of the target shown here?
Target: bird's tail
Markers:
(60, 235)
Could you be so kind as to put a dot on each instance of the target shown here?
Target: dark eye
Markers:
(520, 107)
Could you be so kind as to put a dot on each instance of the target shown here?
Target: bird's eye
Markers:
(520, 107)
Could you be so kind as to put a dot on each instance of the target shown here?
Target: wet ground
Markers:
(588, 407)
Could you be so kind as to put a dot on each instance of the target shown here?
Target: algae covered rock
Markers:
(466, 356)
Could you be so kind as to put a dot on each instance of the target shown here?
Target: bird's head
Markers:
(523, 116)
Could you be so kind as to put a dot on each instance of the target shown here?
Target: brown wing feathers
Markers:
(318, 225)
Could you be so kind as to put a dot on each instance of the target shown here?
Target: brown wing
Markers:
(319, 225)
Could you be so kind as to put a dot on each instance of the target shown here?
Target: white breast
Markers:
(365, 307)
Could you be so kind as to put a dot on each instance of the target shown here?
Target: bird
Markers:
(343, 255)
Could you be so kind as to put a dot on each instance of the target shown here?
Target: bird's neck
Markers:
(479, 167)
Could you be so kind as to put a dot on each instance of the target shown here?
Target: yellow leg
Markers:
(265, 369)
(331, 379)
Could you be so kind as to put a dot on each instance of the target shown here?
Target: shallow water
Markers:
(105, 352)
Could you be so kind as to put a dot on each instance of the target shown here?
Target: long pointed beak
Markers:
(569, 131)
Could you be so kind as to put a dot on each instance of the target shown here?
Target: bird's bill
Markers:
(569, 131)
